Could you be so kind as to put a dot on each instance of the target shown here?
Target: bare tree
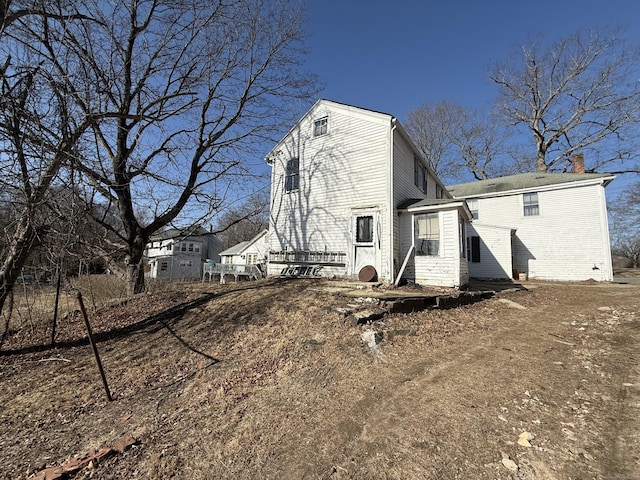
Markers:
(484, 148)
(38, 135)
(177, 93)
(625, 224)
(579, 94)
(459, 141)
(433, 128)
(244, 221)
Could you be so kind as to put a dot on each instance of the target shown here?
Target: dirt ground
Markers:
(270, 380)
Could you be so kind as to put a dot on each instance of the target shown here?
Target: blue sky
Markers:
(392, 56)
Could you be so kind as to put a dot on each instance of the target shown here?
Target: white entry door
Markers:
(365, 243)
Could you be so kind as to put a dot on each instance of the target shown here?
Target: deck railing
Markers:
(308, 257)
(222, 269)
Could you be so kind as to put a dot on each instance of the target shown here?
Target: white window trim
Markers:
(414, 220)
(321, 124)
(476, 210)
(288, 175)
(526, 206)
(373, 217)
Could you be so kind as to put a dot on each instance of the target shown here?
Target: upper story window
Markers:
(530, 203)
(427, 234)
(439, 193)
(292, 176)
(189, 247)
(473, 206)
(420, 174)
(320, 127)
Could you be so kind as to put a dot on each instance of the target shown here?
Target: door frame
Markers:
(375, 244)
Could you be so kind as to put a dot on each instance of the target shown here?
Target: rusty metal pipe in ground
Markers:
(93, 344)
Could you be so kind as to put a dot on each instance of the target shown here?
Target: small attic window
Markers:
(320, 127)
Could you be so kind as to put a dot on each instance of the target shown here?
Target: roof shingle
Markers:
(522, 181)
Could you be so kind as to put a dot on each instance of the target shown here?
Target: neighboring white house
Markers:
(547, 226)
(180, 253)
(251, 252)
(351, 196)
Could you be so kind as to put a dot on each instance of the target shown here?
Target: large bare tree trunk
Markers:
(24, 239)
(135, 266)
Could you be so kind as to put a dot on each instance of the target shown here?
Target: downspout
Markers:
(390, 202)
(607, 268)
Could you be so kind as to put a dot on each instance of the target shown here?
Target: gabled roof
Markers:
(425, 202)
(525, 181)
(235, 250)
(319, 102)
(192, 231)
(426, 205)
(366, 111)
(242, 246)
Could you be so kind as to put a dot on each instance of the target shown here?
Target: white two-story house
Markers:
(181, 253)
(351, 196)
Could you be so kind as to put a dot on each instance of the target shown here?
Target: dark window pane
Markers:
(475, 249)
(364, 233)
(292, 177)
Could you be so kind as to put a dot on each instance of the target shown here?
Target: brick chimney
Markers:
(577, 163)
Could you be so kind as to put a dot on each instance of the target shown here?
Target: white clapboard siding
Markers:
(404, 188)
(569, 238)
(340, 172)
(363, 165)
(495, 252)
(442, 270)
(405, 234)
